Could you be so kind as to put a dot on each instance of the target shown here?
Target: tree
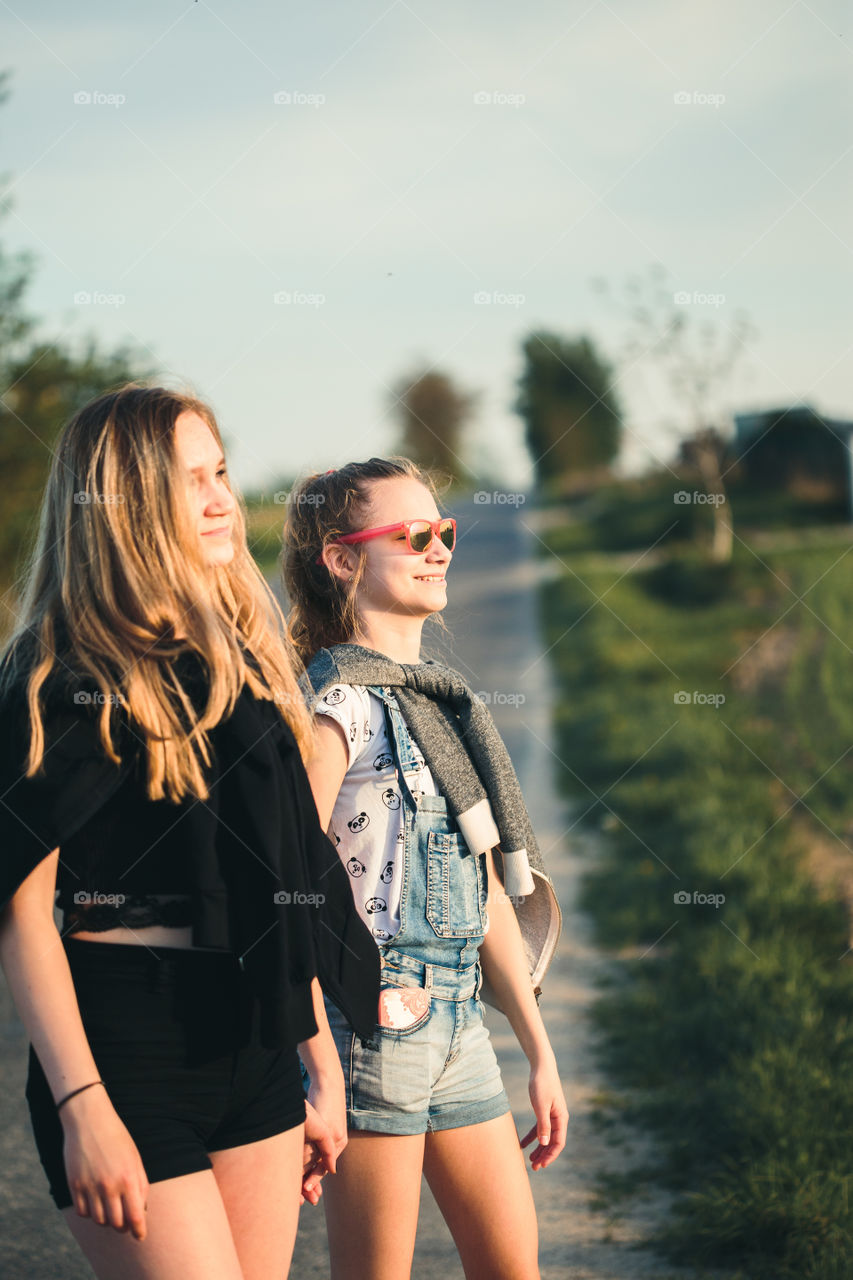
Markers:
(566, 399)
(42, 384)
(698, 360)
(432, 413)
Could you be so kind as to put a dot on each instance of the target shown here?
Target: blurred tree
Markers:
(698, 359)
(571, 414)
(41, 385)
(432, 413)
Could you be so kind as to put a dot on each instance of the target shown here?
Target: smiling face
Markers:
(211, 500)
(395, 580)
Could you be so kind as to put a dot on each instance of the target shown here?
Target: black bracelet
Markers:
(74, 1092)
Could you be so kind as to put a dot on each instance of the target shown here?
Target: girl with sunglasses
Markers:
(415, 787)
(151, 771)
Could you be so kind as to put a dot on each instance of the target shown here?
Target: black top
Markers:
(263, 879)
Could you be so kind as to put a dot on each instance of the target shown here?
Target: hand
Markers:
(552, 1114)
(323, 1142)
(319, 1154)
(105, 1173)
(327, 1098)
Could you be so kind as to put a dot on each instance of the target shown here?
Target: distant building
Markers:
(796, 442)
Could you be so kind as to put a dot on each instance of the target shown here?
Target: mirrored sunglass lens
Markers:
(448, 534)
(420, 535)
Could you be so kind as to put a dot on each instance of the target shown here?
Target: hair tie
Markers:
(329, 472)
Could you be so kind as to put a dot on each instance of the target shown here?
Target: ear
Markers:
(340, 560)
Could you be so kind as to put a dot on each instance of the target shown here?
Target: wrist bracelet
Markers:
(74, 1092)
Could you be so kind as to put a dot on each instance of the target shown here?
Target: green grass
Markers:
(733, 1034)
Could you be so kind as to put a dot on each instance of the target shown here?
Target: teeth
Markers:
(432, 578)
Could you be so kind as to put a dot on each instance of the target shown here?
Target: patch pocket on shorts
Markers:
(402, 1010)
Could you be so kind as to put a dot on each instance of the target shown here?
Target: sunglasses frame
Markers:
(363, 535)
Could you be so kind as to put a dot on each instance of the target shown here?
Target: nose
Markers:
(438, 545)
(219, 500)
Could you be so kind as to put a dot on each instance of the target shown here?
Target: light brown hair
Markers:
(321, 508)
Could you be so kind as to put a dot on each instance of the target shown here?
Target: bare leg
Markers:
(259, 1184)
(371, 1206)
(480, 1182)
(188, 1237)
(234, 1222)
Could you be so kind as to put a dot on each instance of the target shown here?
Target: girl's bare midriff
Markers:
(153, 935)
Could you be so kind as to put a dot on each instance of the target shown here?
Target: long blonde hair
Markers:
(117, 587)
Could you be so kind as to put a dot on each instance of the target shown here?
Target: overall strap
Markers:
(401, 743)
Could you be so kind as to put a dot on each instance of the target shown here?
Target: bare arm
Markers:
(505, 965)
(326, 1122)
(325, 774)
(105, 1172)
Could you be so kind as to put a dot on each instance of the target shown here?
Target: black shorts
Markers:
(175, 1038)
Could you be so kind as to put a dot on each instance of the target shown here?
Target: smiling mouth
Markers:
(212, 533)
(431, 577)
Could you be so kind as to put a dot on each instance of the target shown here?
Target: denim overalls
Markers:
(440, 1072)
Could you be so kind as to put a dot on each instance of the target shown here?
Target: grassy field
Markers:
(732, 1033)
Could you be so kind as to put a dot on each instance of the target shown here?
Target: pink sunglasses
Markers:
(419, 534)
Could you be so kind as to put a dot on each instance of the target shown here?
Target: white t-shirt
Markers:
(367, 820)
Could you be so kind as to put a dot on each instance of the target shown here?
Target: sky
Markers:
(287, 207)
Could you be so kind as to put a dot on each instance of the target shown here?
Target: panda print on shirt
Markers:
(368, 817)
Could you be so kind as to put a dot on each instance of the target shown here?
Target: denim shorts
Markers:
(174, 1035)
(439, 1073)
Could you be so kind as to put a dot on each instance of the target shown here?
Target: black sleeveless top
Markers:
(261, 877)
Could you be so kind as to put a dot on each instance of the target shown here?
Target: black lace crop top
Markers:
(250, 868)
